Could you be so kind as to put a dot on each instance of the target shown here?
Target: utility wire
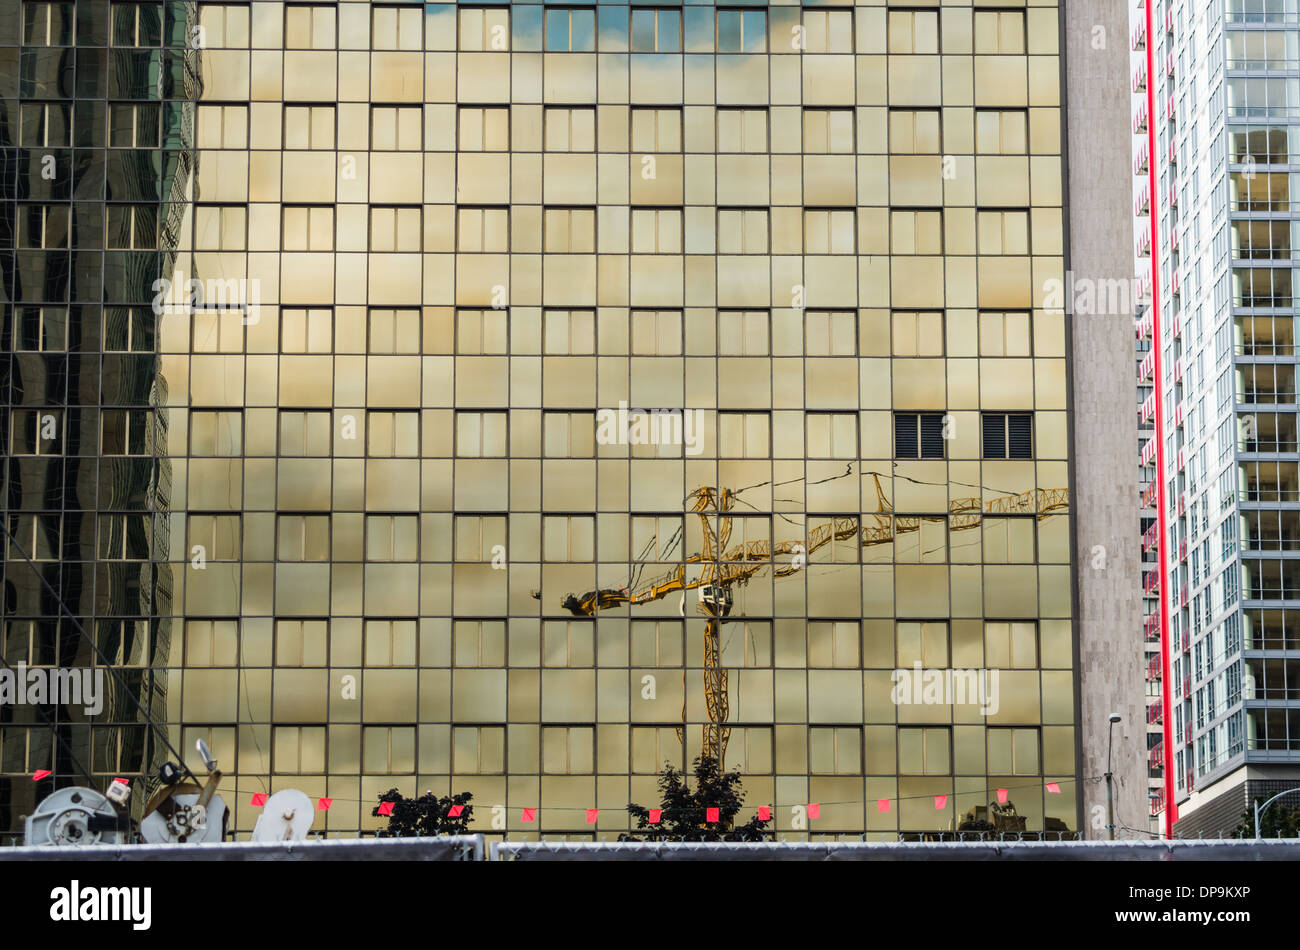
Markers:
(248, 706)
(863, 801)
(54, 729)
(162, 734)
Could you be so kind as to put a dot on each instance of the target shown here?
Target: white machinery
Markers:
(184, 813)
(76, 818)
(286, 816)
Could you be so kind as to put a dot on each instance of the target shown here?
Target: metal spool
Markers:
(74, 818)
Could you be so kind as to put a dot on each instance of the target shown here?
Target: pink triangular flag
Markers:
(882, 804)
(940, 801)
(764, 813)
(324, 804)
(455, 811)
(1002, 796)
(530, 814)
(814, 810)
(592, 814)
(258, 800)
(385, 808)
(40, 774)
(711, 815)
(1054, 788)
(655, 815)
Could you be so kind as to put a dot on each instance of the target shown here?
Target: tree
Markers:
(425, 817)
(685, 812)
(1276, 821)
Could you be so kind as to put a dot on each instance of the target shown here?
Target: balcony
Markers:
(1140, 79)
(1145, 325)
(1148, 409)
(1151, 536)
(1139, 38)
(1156, 757)
(1140, 163)
(1154, 712)
(1267, 397)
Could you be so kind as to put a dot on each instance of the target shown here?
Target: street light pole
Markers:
(1110, 785)
(1259, 809)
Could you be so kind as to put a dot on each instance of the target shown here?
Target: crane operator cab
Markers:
(715, 600)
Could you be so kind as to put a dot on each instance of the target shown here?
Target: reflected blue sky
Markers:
(622, 27)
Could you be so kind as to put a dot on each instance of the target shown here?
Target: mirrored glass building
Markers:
(514, 398)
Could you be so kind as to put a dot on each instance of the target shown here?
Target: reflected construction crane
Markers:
(722, 568)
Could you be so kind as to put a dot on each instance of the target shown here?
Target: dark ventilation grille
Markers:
(1020, 436)
(931, 436)
(995, 436)
(905, 444)
(1008, 435)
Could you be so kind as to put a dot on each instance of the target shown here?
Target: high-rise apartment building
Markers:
(1217, 189)
(512, 398)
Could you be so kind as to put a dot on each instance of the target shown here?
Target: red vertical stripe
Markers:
(1171, 810)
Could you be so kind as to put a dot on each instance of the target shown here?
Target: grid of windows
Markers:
(496, 350)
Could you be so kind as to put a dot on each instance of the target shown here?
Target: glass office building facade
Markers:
(525, 335)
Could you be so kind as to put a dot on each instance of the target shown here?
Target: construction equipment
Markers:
(183, 812)
(286, 816)
(76, 818)
(721, 568)
(718, 572)
(997, 817)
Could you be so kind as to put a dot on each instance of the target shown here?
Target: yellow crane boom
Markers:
(721, 568)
